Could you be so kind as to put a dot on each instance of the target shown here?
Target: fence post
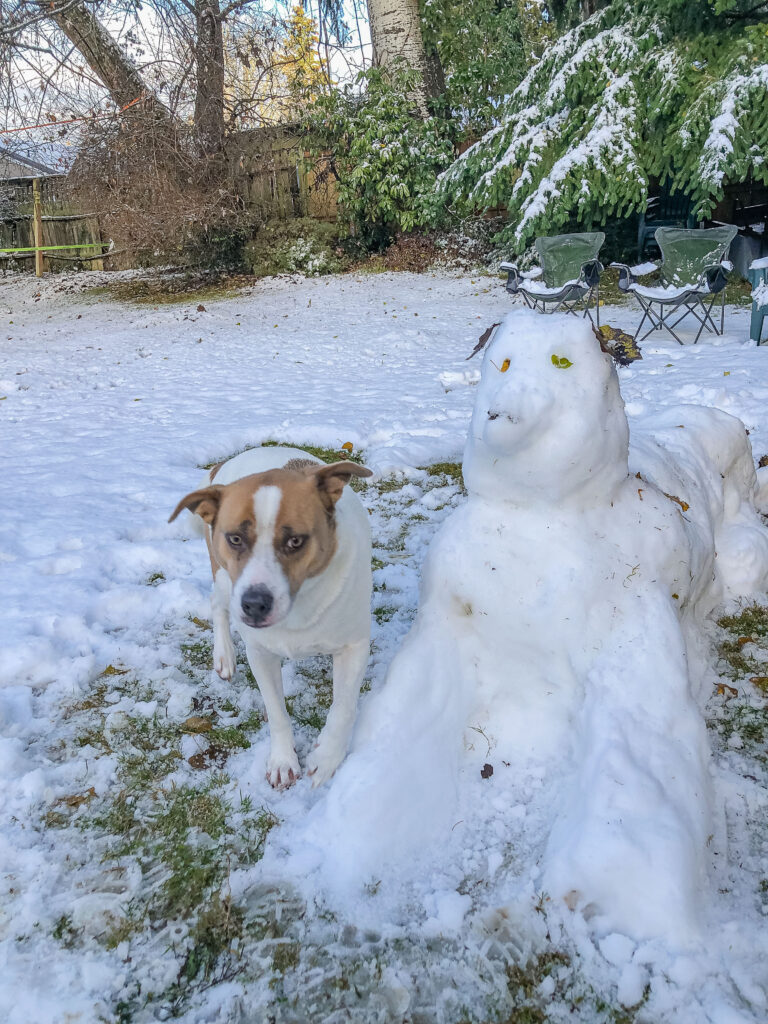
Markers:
(37, 226)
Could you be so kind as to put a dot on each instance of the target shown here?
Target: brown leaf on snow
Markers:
(482, 340)
(486, 771)
(205, 758)
(723, 689)
(683, 504)
(201, 308)
(197, 724)
(78, 799)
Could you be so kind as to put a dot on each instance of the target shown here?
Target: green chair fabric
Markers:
(688, 252)
(563, 256)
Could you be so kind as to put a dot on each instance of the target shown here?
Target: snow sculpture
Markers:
(560, 606)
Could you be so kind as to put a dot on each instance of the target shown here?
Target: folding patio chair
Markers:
(570, 270)
(692, 272)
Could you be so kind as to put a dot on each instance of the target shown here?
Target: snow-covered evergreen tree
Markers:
(638, 91)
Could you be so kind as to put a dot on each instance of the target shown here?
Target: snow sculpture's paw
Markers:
(282, 769)
(323, 761)
(224, 660)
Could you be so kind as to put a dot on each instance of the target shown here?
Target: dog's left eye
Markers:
(294, 543)
(234, 540)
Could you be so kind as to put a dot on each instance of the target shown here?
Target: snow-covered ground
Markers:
(132, 885)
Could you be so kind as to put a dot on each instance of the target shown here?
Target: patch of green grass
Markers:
(390, 484)
(738, 664)
(748, 637)
(165, 291)
(750, 723)
(449, 469)
(286, 956)
(231, 737)
(198, 653)
(751, 621)
(94, 701)
(154, 578)
(384, 613)
(122, 929)
(93, 737)
(162, 828)
(320, 452)
(64, 931)
(531, 1006)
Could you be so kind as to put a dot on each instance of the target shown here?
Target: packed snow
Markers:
(571, 694)
(561, 642)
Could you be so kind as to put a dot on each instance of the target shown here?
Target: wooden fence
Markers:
(268, 169)
(59, 224)
(271, 173)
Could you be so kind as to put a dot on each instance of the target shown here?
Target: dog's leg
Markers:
(223, 649)
(331, 747)
(282, 765)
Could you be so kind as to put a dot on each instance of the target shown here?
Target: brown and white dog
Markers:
(290, 550)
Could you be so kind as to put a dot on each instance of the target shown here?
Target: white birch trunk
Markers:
(396, 32)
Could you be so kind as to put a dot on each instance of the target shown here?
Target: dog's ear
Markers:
(204, 503)
(332, 479)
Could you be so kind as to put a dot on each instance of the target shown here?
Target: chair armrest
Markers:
(626, 276)
(591, 271)
(714, 278)
(513, 277)
(758, 272)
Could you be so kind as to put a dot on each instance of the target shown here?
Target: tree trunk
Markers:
(209, 58)
(106, 59)
(396, 32)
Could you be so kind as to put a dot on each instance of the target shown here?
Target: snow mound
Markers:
(560, 609)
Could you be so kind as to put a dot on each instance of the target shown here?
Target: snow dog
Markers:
(290, 550)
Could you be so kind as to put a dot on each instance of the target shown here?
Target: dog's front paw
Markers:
(282, 769)
(323, 761)
(224, 658)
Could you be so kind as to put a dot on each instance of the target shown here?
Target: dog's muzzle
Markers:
(256, 604)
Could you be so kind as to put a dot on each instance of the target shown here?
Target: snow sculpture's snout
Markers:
(549, 421)
(513, 412)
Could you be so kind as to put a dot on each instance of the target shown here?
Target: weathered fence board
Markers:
(62, 224)
(273, 176)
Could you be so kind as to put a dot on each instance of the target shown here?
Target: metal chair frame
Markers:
(693, 302)
(566, 300)
(694, 298)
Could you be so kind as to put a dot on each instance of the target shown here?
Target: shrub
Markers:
(385, 158)
(302, 246)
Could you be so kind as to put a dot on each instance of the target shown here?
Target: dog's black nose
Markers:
(257, 603)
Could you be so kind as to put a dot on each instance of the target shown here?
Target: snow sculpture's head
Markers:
(549, 421)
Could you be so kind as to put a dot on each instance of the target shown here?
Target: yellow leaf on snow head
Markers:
(347, 446)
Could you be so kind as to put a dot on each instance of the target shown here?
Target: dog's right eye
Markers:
(234, 540)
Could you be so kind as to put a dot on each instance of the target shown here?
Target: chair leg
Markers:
(708, 317)
(756, 322)
(663, 323)
(659, 320)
